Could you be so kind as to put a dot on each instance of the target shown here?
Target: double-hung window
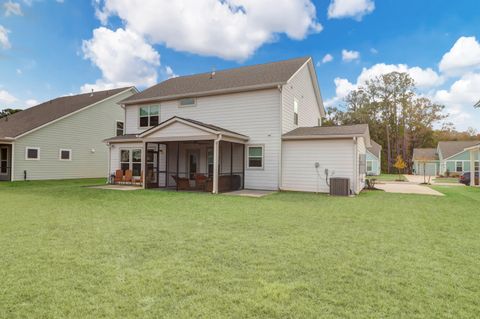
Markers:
(369, 166)
(459, 166)
(255, 156)
(149, 115)
(119, 128)
(477, 164)
(131, 160)
(295, 111)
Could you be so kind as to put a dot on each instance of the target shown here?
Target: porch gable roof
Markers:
(193, 124)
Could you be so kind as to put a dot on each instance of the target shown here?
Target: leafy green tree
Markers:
(7, 112)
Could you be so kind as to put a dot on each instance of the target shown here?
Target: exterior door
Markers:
(193, 163)
(4, 160)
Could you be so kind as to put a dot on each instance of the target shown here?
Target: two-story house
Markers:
(254, 127)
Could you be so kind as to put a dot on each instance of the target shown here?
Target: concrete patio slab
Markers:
(119, 187)
(250, 193)
(408, 188)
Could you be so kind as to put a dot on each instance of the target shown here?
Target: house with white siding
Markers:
(61, 138)
(254, 127)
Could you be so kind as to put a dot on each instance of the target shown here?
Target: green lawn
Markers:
(388, 177)
(452, 180)
(69, 251)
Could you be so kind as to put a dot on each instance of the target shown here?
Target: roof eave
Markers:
(205, 93)
(322, 137)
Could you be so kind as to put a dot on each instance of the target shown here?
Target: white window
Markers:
(295, 111)
(459, 166)
(149, 116)
(369, 166)
(187, 102)
(131, 160)
(65, 155)
(255, 156)
(32, 153)
(477, 164)
(119, 128)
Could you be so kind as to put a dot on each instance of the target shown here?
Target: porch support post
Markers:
(472, 168)
(216, 146)
(243, 167)
(231, 158)
(144, 164)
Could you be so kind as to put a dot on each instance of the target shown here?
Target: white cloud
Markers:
(373, 51)
(170, 73)
(12, 8)
(123, 57)
(459, 100)
(463, 57)
(350, 55)
(6, 99)
(230, 29)
(355, 9)
(327, 58)
(31, 102)
(424, 79)
(4, 41)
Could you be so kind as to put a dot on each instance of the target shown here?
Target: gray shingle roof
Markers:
(123, 138)
(450, 148)
(34, 117)
(231, 80)
(425, 154)
(347, 130)
(375, 149)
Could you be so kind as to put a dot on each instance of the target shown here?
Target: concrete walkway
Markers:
(250, 193)
(408, 188)
(119, 187)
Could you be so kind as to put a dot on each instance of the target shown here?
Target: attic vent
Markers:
(212, 75)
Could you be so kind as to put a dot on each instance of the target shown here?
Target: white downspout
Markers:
(12, 167)
(109, 161)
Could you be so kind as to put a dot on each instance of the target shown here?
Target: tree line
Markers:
(400, 119)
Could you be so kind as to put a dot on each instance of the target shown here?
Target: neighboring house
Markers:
(374, 159)
(474, 152)
(425, 161)
(61, 138)
(254, 127)
(449, 156)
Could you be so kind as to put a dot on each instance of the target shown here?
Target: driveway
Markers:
(407, 188)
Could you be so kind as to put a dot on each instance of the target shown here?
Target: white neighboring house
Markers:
(254, 127)
(61, 138)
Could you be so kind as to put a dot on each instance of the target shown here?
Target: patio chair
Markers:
(128, 176)
(139, 180)
(118, 177)
(200, 181)
(182, 183)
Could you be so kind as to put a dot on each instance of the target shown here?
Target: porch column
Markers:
(472, 167)
(216, 146)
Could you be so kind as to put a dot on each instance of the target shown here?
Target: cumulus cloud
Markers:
(4, 41)
(327, 58)
(424, 79)
(463, 57)
(123, 57)
(6, 99)
(350, 55)
(170, 73)
(12, 8)
(229, 29)
(355, 9)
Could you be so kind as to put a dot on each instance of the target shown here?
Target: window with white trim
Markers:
(131, 160)
(188, 102)
(477, 165)
(149, 116)
(369, 166)
(119, 128)
(255, 156)
(295, 111)
(32, 153)
(459, 166)
(65, 155)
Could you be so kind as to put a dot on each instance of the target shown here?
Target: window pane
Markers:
(119, 128)
(459, 166)
(136, 155)
(32, 153)
(3, 167)
(65, 155)
(187, 102)
(154, 110)
(3, 154)
(125, 156)
(144, 111)
(255, 162)
(153, 120)
(144, 122)
(124, 167)
(255, 151)
(136, 169)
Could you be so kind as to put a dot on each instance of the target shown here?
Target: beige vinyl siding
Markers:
(115, 153)
(179, 130)
(301, 88)
(81, 132)
(255, 114)
(300, 156)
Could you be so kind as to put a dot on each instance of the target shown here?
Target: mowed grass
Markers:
(451, 180)
(389, 177)
(69, 251)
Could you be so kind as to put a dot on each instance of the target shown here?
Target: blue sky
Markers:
(50, 48)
